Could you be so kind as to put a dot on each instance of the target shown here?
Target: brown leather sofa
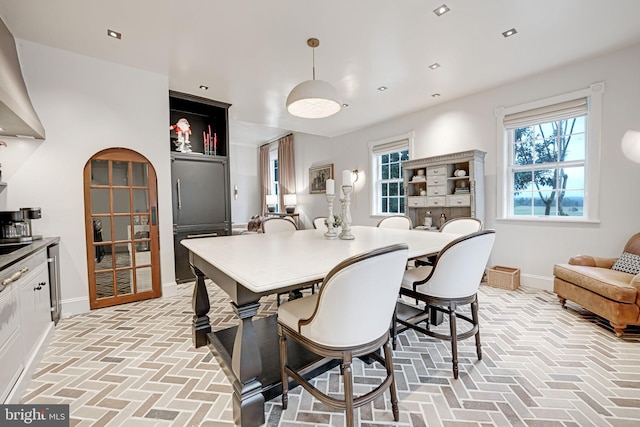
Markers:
(590, 282)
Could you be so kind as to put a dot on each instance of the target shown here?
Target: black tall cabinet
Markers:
(200, 179)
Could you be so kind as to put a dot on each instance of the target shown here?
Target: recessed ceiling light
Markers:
(1, 128)
(441, 10)
(510, 32)
(382, 88)
(345, 105)
(114, 34)
(434, 66)
(435, 95)
(203, 87)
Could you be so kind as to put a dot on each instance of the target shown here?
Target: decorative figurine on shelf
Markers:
(183, 129)
(443, 219)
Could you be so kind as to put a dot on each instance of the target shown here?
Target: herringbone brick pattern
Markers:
(134, 365)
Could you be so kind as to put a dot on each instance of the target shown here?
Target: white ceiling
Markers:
(251, 53)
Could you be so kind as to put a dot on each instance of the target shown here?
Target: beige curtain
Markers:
(264, 177)
(286, 168)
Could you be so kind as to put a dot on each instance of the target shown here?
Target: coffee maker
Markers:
(15, 226)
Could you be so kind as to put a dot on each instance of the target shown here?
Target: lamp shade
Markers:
(272, 199)
(290, 200)
(313, 99)
(631, 145)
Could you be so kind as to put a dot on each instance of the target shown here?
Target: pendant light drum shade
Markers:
(313, 99)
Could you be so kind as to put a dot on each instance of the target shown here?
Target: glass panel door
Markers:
(122, 248)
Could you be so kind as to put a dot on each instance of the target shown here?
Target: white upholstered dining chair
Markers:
(396, 221)
(274, 225)
(348, 317)
(452, 281)
(318, 222)
(462, 226)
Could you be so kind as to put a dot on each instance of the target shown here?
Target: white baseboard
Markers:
(538, 282)
(74, 306)
(169, 289)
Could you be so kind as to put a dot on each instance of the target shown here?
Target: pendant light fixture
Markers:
(313, 99)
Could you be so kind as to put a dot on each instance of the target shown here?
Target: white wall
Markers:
(85, 105)
(470, 123)
(244, 167)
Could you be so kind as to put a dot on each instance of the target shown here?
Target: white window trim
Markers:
(592, 162)
(409, 136)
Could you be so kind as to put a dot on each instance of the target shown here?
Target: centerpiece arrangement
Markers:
(344, 221)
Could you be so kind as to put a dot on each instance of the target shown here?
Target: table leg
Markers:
(201, 306)
(248, 401)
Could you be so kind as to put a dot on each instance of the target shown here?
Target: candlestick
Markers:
(331, 187)
(331, 231)
(346, 212)
(346, 178)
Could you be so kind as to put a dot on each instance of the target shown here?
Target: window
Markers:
(273, 174)
(387, 184)
(549, 153)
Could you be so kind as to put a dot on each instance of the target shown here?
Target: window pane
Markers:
(522, 204)
(120, 171)
(99, 172)
(523, 134)
(393, 189)
(385, 189)
(575, 147)
(384, 205)
(572, 203)
(522, 180)
(393, 204)
(523, 153)
(385, 158)
(140, 174)
(385, 171)
(574, 178)
(395, 170)
(401, 205)
(404, 155)
(394, 157)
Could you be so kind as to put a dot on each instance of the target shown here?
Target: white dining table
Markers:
(248, 267)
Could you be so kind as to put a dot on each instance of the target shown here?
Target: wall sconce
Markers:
(631, 145)
(235, 192)
(272, 201)
(355, 175)
(290, 202)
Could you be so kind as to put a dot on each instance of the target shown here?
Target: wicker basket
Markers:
(503, 277)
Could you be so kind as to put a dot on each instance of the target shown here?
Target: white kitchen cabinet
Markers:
(25, 322)
(11, 347)
(454, 186)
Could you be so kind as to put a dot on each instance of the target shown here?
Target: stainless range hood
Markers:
(17, 116)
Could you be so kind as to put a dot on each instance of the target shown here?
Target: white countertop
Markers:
(265, 262)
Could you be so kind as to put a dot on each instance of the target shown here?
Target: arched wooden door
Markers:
(121, 224)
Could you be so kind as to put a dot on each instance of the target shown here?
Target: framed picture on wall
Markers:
(318, 176)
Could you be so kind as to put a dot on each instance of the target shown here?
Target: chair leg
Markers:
(283, 374)
(388, 361)
(454, 339)
(476, 323)
(394, 326)
(348, 389)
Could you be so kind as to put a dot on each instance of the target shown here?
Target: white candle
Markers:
(331, 186)
(346, 177)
